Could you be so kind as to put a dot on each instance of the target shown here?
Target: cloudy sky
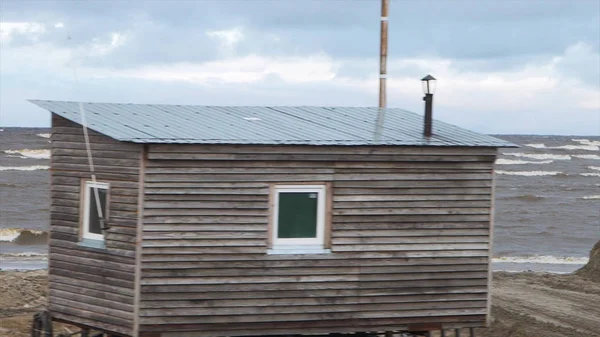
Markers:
(502, 66)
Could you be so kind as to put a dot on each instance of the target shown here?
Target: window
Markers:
(298, 219)
(91, 227)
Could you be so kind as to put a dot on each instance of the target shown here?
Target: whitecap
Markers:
(578, 147)
(545, 259)
(587, 156)
(539, 156)
(536, 146)
(587, 142)
(25, 254)
(32, 154)
(11, 234)
(43, 135)
(591, 174)
(24, 168)
(528, 173)
(502, 161)
(597, 168)
(591, 197)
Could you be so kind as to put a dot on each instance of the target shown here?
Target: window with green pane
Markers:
(299, 216)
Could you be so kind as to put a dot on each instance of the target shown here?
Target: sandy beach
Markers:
(523, 304)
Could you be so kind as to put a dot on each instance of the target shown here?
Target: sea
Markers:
(547, 211)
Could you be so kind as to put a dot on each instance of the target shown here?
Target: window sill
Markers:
(297, 251)
(90, 243)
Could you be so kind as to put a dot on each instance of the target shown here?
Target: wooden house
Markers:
(231, 221)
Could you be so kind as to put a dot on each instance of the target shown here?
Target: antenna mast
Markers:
(383, 51)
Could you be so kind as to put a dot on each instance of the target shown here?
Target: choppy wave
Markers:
(21, 236)
(529, 173)
(503, 161)
(527, 197)
(26, 254)
(590, 146)
(578, 147)
(587, 142)
(541, 259)
(536, 146)
(591, 197)
(591, 174)
(587, 156)
(44, 135)
(597, 168)
(24, 168)
(32, 154)
(539, 156)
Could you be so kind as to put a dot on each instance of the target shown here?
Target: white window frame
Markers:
(299, 245)
(88, 189)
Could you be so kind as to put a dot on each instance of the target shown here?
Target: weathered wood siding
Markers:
(410, 237)
(92, 286)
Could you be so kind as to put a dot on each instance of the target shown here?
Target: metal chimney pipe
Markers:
(428, 88)
(428, 114)
(383, 51)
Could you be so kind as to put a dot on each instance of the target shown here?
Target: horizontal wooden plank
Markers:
(446, 217)
(90, 284)
(401, 231)
(411, 204)
(305, 302)
(257, 254)
(323, 326)
(98, 299)
(423, 240)
(416, 189)
(95, 145)
(339, 270)
(156, 226)
(208, 243)
(242, 297)
(410, 247)
(315, 316)
(300, 280)
(238, 177)
(404, 225)
(93, 272)
(279, 263)
(118, 321)
(76, 247)
(330, 308)
(219, 220)
(392, 182)
(92, 293)
(411, 211)
(82, 153)
(224, 205)
(187, 212)
(100, 261)
(71, 167)
(193, 196)
(400, 196)
(86, 318)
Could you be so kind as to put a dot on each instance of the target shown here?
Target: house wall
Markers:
(410, 239)
(92, 286)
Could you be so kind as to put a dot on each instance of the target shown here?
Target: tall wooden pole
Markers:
(383, 51)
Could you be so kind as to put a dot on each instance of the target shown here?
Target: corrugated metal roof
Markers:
(187, 124)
